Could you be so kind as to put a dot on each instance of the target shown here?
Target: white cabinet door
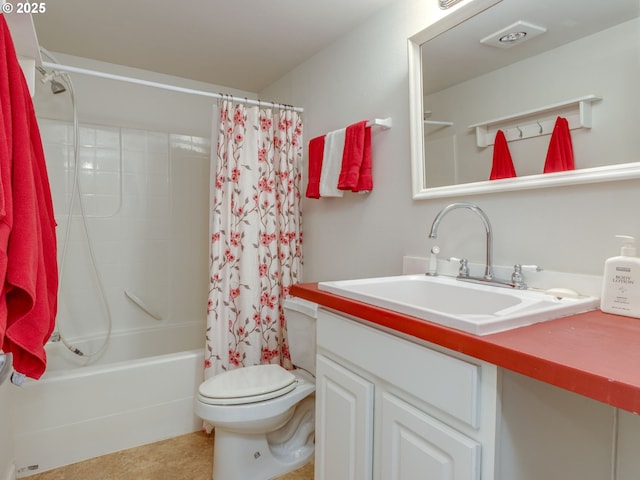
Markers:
(416, 446)
(344, 423)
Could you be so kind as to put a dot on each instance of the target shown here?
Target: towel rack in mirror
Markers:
(535, 122)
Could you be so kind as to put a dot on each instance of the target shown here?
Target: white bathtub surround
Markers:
(73, 414)
(145, 195)
(7, 466)
(128, 346)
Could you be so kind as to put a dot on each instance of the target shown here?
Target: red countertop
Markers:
(594, 354)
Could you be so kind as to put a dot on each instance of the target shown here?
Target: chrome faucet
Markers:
(488, 269)
(517, 279)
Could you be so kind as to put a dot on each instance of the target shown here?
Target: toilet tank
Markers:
(300, 316)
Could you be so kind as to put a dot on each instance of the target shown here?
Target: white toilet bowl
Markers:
(264, 415)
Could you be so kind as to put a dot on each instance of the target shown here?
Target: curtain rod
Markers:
(164, 86)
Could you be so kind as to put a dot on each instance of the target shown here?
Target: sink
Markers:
(473, 308)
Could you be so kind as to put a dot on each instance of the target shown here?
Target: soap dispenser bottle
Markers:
(621, 282)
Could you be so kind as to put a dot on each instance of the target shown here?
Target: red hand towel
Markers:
(316, 152)
(352, 156)
(28, 301)
(5, 179)
(502, 164)
(560, 152)
(365, 180)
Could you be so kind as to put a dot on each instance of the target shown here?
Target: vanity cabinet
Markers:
(392, 408)
(344, 413)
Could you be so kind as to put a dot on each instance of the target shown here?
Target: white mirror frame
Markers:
(624, 171)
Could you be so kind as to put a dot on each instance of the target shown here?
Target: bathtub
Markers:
(139, 391)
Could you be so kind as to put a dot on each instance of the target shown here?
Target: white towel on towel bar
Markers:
(332, 163)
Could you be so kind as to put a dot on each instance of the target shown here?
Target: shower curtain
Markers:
(256, 236)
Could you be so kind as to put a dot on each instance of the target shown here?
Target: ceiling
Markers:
(459, 55)
(243, 44)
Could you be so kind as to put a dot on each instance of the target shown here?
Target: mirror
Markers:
(584, 65)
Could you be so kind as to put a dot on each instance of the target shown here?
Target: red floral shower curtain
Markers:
(256, 236)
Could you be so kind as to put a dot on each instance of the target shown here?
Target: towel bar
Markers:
(385, 123)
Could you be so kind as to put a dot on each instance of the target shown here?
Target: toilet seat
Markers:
(247, 385)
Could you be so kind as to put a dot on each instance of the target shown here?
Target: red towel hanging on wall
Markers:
(352, 155)
(350, 159)
(560, 152)
(365, 179)
(28, 265)
(316, 152)
(502, 166)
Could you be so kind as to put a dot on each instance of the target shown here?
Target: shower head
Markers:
(56, 86)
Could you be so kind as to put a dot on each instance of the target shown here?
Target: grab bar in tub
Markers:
(142, 305)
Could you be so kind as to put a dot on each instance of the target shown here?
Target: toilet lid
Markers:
(247, 385)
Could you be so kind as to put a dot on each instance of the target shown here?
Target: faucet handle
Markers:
(464, 266)
(518, 279)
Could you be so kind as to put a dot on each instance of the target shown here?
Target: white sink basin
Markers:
(473, 308)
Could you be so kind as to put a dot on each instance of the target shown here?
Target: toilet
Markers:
(264, 415)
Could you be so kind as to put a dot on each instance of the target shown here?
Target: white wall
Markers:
(362, 76)
(549, 433)
(365, 74)
(568, 229)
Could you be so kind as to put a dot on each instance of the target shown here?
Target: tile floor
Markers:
(188, 457)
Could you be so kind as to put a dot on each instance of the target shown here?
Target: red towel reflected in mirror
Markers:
(502, 164)
(560, 152)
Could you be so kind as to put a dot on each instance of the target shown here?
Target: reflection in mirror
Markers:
(578, 60)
